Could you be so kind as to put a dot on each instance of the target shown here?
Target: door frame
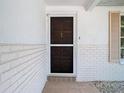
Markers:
(63, 14)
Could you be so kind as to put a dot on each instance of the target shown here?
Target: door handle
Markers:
(61, 35)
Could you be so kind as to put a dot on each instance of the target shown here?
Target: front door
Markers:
(61, 34)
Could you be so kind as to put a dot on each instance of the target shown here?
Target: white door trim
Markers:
(63, 14)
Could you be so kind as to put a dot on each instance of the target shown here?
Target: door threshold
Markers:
(61, 77)
(62, 74)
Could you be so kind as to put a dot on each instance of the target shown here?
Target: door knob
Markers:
(61, 35)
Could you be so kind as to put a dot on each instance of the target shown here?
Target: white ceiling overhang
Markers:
(90, 4)
(111, 3)
(87, 4)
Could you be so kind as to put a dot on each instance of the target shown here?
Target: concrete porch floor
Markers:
(69, 87)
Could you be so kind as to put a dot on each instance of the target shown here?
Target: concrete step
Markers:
(61, 78)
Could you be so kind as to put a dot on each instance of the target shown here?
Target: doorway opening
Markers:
(62, 45)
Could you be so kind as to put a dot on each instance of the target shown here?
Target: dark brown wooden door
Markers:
(61, 33)
(61, 30)
(62, 58)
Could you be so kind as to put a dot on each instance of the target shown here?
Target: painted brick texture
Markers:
(93, 64)
(23, 68)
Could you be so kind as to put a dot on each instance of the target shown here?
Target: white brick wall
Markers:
(93, 64)
(23, 68)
